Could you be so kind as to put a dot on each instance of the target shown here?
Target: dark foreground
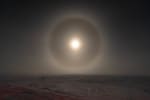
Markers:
(76, 88)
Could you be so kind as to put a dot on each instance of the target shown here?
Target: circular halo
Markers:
(96, 59)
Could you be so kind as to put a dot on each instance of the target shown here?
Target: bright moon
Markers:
(75, 44)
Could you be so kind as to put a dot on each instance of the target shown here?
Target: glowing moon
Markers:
(75, 44)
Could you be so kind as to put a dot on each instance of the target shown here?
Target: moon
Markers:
(75, 44)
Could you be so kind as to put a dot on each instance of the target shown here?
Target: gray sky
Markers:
(25, 25)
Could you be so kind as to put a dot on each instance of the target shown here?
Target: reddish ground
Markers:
(75, 90)
(8, 92)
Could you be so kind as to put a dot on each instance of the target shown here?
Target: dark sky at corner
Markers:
(22, 24)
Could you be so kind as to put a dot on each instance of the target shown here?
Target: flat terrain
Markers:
(76, 88)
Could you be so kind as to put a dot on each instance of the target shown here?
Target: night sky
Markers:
(25, 25)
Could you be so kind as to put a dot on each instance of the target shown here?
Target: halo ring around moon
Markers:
(55, 35)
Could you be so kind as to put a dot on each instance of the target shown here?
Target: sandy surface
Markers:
(85, 88)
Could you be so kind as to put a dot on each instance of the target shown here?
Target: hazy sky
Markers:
(24, 26)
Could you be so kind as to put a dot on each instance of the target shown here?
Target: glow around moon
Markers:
(74, 45)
